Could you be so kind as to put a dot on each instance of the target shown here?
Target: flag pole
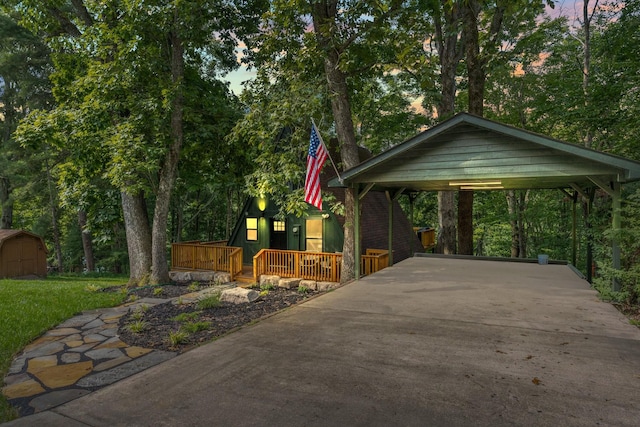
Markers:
(328, 152)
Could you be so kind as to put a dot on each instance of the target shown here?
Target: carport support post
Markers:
(356, 233)
(574, 226)
(390, 227)
(616, 223)
(392, 199)
(412, 202)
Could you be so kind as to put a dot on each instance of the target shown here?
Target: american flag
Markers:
(315, 160)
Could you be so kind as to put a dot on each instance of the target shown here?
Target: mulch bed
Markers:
(164, 321)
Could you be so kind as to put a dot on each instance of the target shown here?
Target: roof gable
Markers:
(471, 148)
(9, 234)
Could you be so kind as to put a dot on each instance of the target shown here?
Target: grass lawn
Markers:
(28, 308)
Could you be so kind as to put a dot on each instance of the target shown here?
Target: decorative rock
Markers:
(203, 276)
(325, 286)
(37, 343)
(23, 389)
(134, 352)
(14, 379)
(94, 338)
(94, 324)
(180, 276)
(83, 348)
(45, 350)
(63, 375)
(60, 332)
(111, 363)
(17, 365)
(289, 283)
(266, 279)
(38, 363)
(114, 342)
(78, 321)
(70, 357)
(239, 295)
(71, 338)
(104, 353)
(309, 284)
(221, 277)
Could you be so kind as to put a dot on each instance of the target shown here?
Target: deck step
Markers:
(244, 279)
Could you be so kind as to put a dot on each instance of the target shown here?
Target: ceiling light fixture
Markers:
(481, 187)
(474, 184)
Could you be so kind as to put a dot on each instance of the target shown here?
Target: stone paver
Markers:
(77, 357)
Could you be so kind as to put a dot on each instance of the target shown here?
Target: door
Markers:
(278, 235)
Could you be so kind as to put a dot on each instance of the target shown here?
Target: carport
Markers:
(468, 152)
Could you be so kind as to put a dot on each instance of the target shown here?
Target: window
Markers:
(314, 235)
(252, 229)
(279, 226)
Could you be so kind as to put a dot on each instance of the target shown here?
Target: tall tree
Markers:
(450, 46)
(347, 48)
(24, 70)
(120, 83)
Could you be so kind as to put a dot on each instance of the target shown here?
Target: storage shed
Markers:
(22, 254)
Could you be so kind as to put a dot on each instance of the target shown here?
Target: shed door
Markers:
(21, 255)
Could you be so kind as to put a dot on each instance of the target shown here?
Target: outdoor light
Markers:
(474, 184)
(262, 204)
(480, 187)
(477, 185)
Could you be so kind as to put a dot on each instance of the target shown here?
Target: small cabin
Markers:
(22, 254)
(321, 230)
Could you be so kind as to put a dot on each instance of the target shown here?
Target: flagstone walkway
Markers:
(77, 357)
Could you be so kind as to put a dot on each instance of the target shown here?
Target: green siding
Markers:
(332, 230)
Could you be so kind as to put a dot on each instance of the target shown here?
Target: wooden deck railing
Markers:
(374, 260)
(319, 266)
(213, 256)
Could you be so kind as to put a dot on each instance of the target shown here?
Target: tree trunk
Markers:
(450, 53)
(446, 218)
(136, 223)
(6, 203)
(169, 170)
(230, 216)
(324, 13)
(53, 201)
(586, 64)
(517, 204)
(522, 207)
(87, 244)
(476, 75)
(513, 220)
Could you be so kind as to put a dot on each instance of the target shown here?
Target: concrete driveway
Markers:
(428, 342)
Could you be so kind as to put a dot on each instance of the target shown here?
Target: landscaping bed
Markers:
(176, 326)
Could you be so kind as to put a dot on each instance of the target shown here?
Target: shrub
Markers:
(186, 317)
(193, 327)
(137, 326)
(177, 338)
(211, 301)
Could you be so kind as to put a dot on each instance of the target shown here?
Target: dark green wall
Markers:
(332, 231)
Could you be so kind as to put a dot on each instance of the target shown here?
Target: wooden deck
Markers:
(318, 266)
